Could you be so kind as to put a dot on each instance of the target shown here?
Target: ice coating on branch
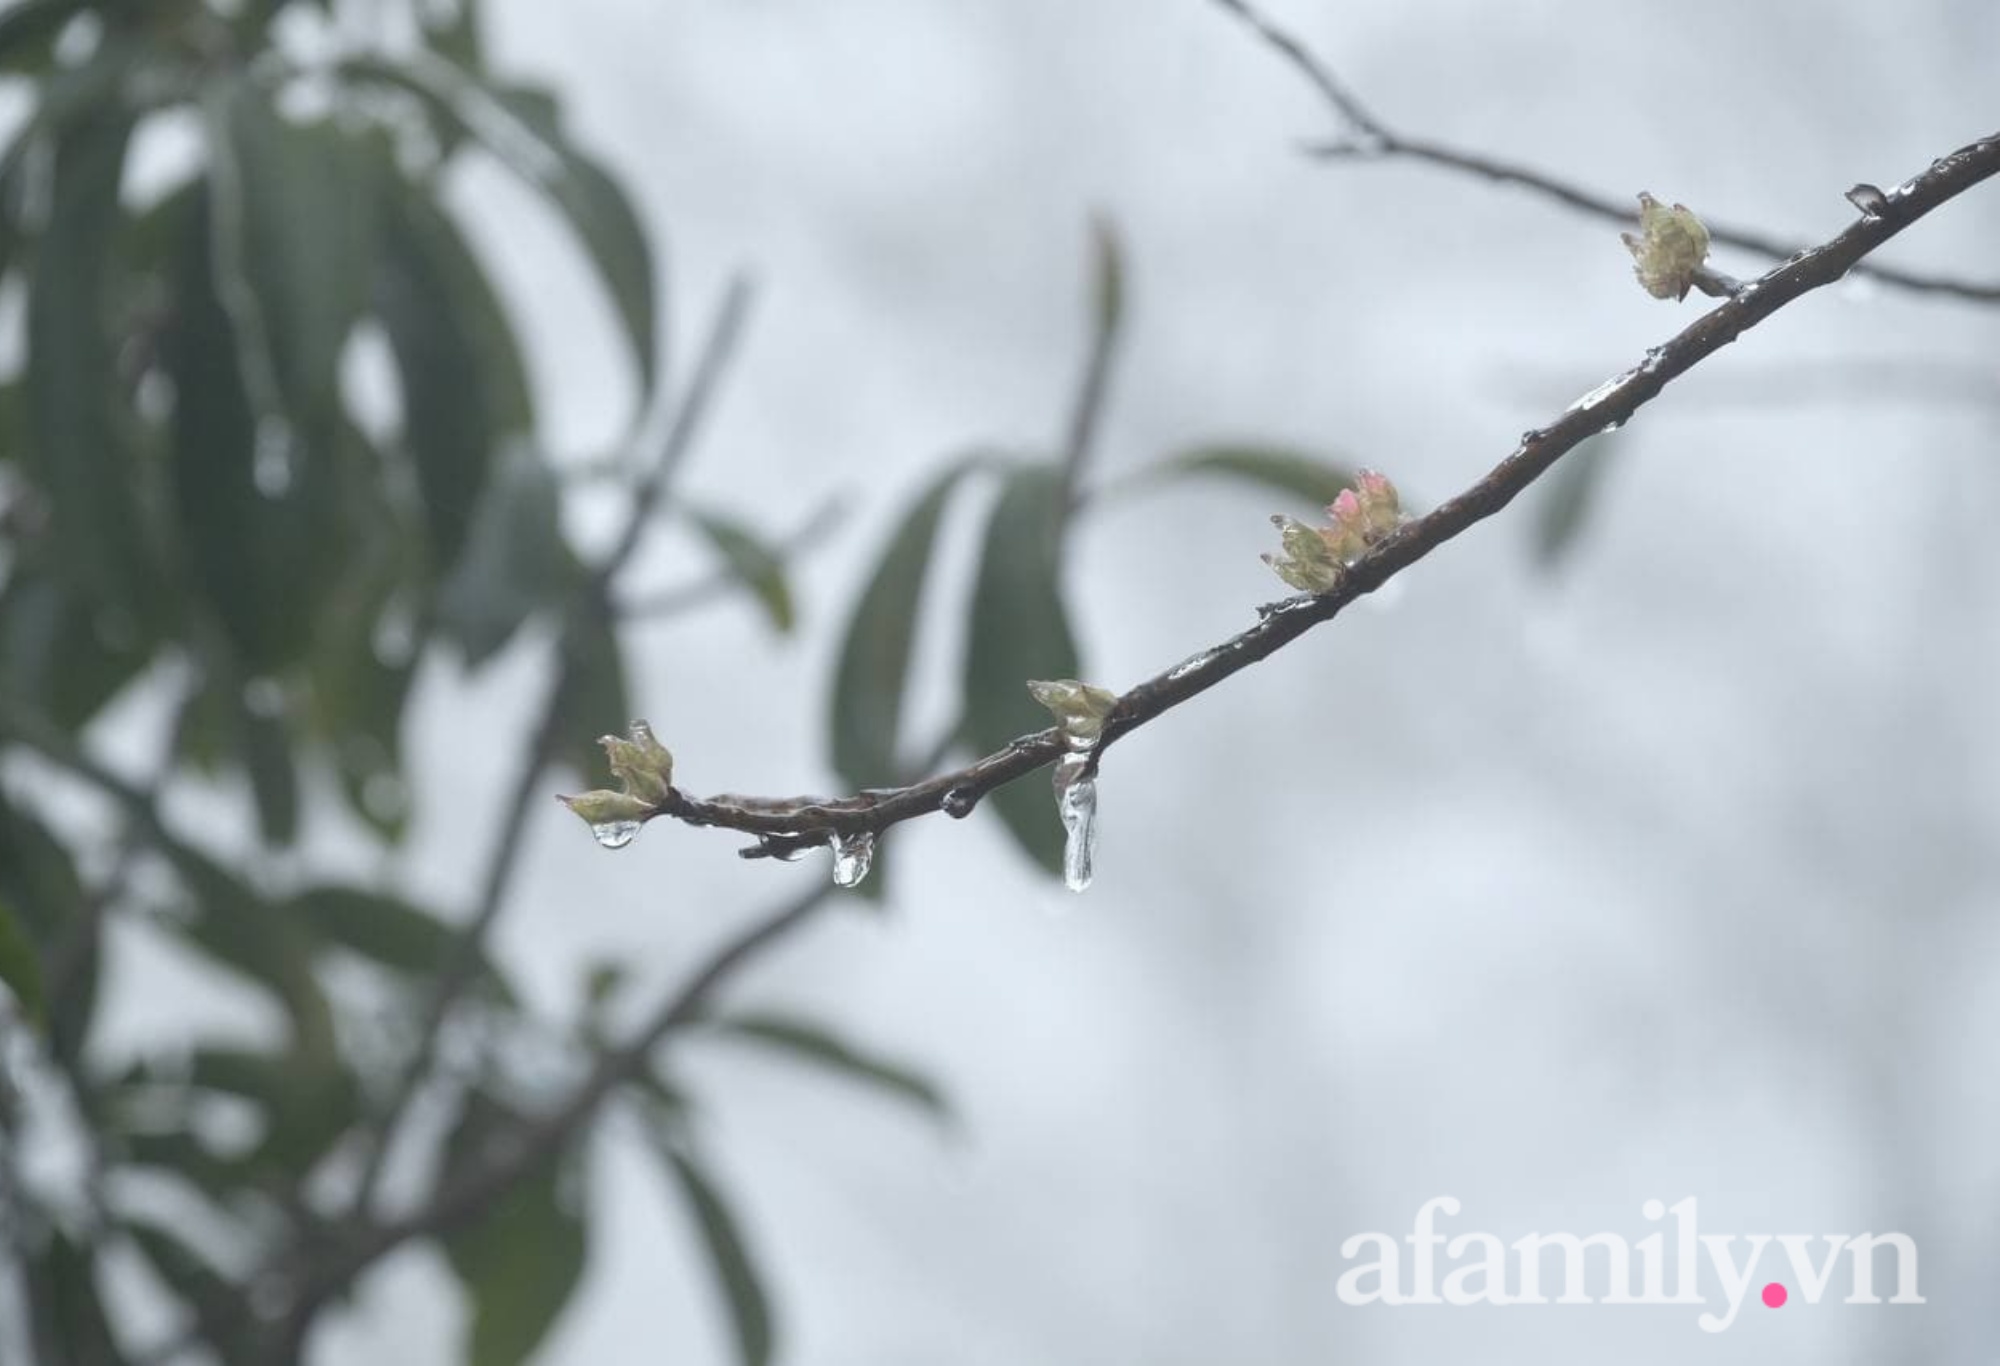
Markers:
(1669, 250)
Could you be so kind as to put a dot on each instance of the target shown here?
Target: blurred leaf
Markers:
(308, 1102)
(306, 225)
(40, 887)
(1020, 630)
(67, 1311)
(813, 1043)
(186, 1272)
(1568, 498)
(58, 653)
(601, 214)
(20, 964)
(264, 549)
(453, 31)
(78, 455)
(28, 33)
(521, 127)
(522, 1260)
(464, 389)
(735, 1270)
(515, 562)
(594, 697)
(384, 929)
(754, 563)
(242, 931)
(1107, 277)
(274, 782)
(1290, 470)
(364, 658)
(874, 668)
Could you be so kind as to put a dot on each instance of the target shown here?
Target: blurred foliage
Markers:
(204, 498)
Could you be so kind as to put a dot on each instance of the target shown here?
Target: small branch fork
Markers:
(1367, 138)
(785, 826)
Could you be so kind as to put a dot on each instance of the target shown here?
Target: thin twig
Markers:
(784, 825)
(465, 1195)
(592, 599)
(720, 585)
(1367, 138)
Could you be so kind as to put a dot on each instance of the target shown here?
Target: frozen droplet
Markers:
(1077, 802)
(959, 803)
(271, 466)
(852, 857)
(1532, 435)
(614, 834)
(1610, 427)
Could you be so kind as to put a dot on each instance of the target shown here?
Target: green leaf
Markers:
(594, 699)
(755, 564)
(66, 1308)
(59, 653)
(735, 1270)
(242, 931)
(79, 456)
(465, 391)
(308, 1102)
(813, 1043)
(28, 33)
(1107, 278)
(187, 1272)
(516, 562)
(40, 886)
(522, 1261)
(1312, 478)
(1020, 630)
(307, 226)
(264, 554)
(20, 964)
(454, 32)
(600, 212)
(274, 781)
(874, 669)
(384, 929)
(520, 126)
(1569, 495)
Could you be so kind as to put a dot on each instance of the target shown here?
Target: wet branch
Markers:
(784, 826)
(1367, 138)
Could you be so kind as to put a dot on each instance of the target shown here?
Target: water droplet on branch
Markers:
(959, 803)
(853, 855)
(614, 834)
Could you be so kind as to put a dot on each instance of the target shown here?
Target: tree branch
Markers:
(786, 825)
(1367, 138)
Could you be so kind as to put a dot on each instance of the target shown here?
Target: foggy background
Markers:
(1665, 873)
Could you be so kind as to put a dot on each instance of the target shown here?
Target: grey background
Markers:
(1667, 874)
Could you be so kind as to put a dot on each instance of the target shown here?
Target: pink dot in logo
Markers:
(1774, 1296)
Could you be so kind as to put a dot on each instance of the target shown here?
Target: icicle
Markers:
(1076, 803)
